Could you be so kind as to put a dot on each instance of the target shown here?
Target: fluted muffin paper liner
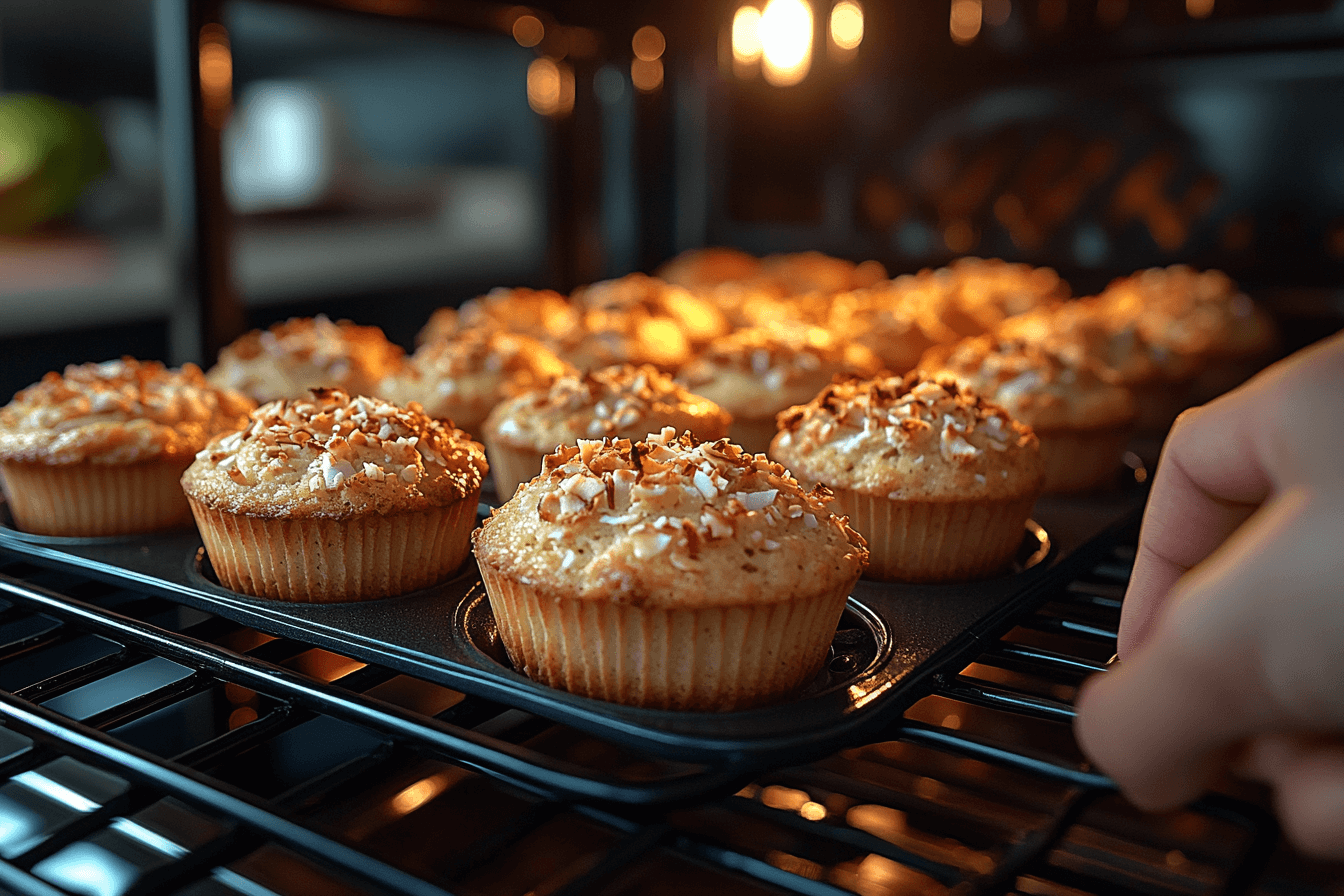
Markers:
(89, 500)
(329, 560)
(935, 541)
(1082, 459)
(511, 466)
(695, 658)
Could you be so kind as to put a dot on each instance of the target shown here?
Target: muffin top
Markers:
(117, 412)
(1042, 388)
(613, 401)
(289, 358)
(804, 272)
(978, 293)
(756, 372)
(896, 319)
(334, 456)
(1191, 312)
(640, 295)
(1090, 328)
(464, 375)
(697, 269)
(540, 313)
(909, 437)
(670, 522)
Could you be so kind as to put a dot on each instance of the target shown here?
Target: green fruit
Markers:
(49, 152)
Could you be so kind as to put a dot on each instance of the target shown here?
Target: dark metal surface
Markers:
(963, 791)
(446, 634)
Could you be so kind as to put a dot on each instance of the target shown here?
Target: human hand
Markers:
(1232, 632)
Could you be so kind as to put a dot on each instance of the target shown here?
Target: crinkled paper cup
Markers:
(511, 466)
(329, 560)
(936, 541)
(1082, 460)
(88, 499)
(701, 658)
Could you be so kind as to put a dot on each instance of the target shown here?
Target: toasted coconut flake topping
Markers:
(914, 412)
(118, 412)
(332, 441)
(671, 492)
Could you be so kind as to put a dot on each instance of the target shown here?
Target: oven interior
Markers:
(152, 746)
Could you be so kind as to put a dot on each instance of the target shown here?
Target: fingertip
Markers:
(1310, 799)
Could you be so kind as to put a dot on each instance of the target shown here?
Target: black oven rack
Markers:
(889, 639)
(978, 788)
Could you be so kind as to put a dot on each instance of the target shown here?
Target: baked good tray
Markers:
(892, 639)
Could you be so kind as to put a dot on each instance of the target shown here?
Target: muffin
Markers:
(98, 450)
(1082, 419)
(336, 498)
(698, 269)
(797, 273)
(756, 373)
(289, 358)
(897, 320)
(939, 481)
(462, 377)
(1159, 378)
(667, 573)
(616, 402)
(1197, 315)
(639, 295)
(542, 314)
(975, 295)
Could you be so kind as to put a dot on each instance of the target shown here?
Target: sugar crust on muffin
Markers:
(1040, 387)
(663, 522)
(612, 401)
(333, 456)
(288, 358)
(463, 376)
(756, 372)
(909, 438)
(117, 412)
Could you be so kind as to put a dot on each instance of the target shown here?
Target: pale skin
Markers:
(1232, 633)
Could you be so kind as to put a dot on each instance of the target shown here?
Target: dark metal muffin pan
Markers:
(890, 637)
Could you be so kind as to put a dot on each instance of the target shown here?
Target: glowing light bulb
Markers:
(965, 21)
(747, 35)
(786, 41)
(847, 25)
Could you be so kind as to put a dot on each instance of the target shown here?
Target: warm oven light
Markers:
(965, 20)
(786, 41)
(847, 25)
(747, 35)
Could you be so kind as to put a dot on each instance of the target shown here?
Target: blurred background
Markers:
(380, 158)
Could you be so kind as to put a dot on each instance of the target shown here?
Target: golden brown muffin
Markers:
(698, 269)
(542, 314)
(896, 319)
(667, 573)
(797, 273)
(462, 377)
(976, 294)
(98, 450)
(336, 498)
(639, 295)
(1082, 418)
(303, 353)
(616, 402)
(1159, 378)
(1199, 316)
(754, 374)
(939, 481)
